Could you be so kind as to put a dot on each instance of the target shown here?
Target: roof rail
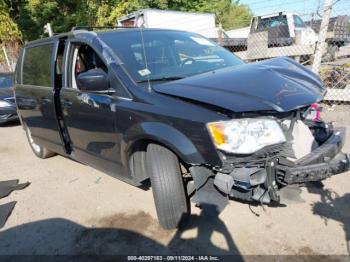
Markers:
(90, 28)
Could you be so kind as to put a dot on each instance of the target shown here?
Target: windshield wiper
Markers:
(170, 78)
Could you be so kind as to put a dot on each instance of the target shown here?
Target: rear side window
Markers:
(37, 65)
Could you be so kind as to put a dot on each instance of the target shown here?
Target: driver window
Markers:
(157, 56)
(298, 22)
(84, 58)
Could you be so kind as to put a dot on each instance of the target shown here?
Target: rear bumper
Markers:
(323, 162)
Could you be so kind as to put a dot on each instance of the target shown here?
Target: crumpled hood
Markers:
(279, 84)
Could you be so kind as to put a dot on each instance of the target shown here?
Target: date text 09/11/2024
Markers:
(173, 258)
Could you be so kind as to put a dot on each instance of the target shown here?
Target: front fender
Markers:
(163, 134)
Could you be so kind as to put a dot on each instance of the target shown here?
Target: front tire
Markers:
(167, 185)
(38, 150)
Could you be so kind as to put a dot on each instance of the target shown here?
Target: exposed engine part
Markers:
(326, 160)
(303, 129)
(250, 184)
(312, 118)
(242, 177)
(321, 131)
(303, 141)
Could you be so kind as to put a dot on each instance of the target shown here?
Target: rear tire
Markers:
(38, 150)
(167, 185)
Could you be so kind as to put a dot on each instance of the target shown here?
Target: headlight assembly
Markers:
(4, 103)
(245, 135)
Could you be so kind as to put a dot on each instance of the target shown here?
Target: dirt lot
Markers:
(70, 208)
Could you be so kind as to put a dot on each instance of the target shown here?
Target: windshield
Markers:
(5, 81)
(167, 55)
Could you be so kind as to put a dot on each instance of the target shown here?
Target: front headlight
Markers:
(4, 103)
(246, 135)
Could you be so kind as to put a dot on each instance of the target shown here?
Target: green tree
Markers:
(31, 15)
(62, 15)
(229, 14)
(237, 16)
(9, 31)
(10, 35)
(109, 11)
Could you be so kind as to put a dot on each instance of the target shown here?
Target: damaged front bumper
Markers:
(323, 162)
(260, 179)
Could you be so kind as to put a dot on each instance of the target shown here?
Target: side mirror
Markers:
(93, 80)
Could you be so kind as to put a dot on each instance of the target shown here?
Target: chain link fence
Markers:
(316, 33)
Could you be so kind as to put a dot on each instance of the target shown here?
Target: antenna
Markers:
(145, 58)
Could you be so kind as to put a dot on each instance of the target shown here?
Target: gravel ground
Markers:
(70, 208)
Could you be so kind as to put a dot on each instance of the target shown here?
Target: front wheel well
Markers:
(137, 159)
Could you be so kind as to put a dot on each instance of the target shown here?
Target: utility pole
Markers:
(7, 59)
(219, 32)
(321, 43)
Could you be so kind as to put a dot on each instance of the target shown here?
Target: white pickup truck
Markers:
(280, 26)
(285, 29)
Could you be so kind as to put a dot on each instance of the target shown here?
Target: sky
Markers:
(303, 7)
